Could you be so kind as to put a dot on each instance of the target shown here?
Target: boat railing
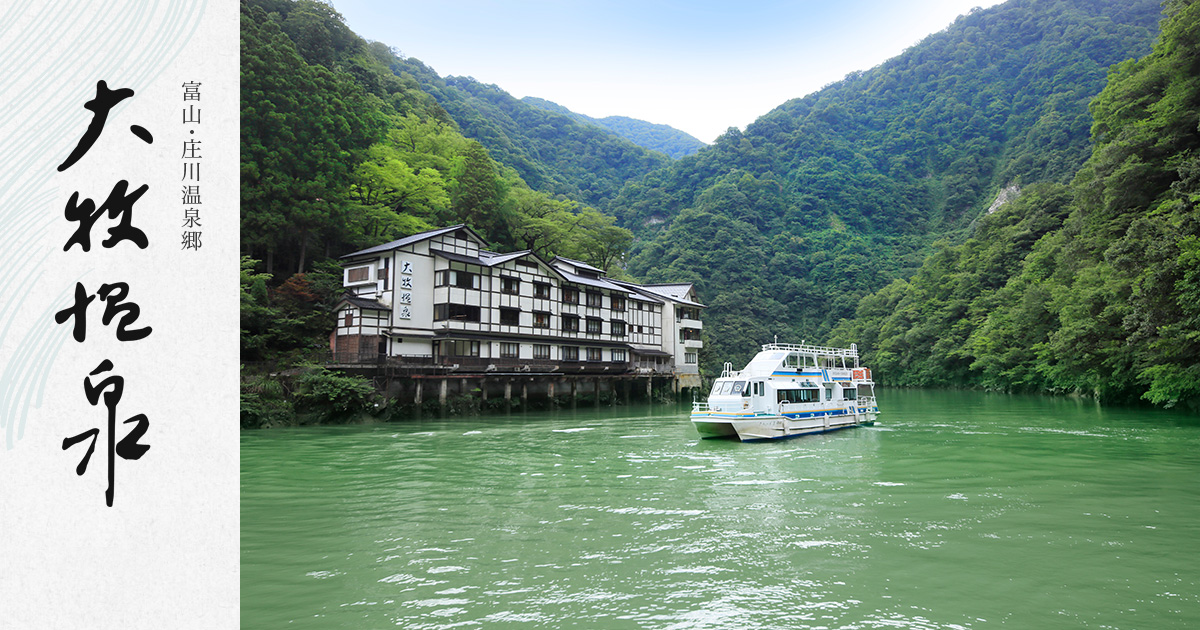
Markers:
(812, 350)
(700, 407)
(866, 401)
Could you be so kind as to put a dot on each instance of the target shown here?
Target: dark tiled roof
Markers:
(365, 303)
(637, 288)
(592, 282)
(675, 292)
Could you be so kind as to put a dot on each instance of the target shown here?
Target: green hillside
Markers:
(828, 198)
(662, 138)
(552, 152)
(1091, 287)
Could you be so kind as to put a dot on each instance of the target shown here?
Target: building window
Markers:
(510, 316)
(358, 274)
(570, 295)
(617, 327)
(349, 321)
(618, 303)
(638, 305)
(510, 350)
(541, 319)
(570, 323)
(618, 356)
(570, 353)
(460, 312)
(458, 348)
(511, 286)
(456, 278)
(541, 351)
(689, 358)
(541, 290)
(595, 299)
(595, 354)
(689, 334)
(595, 326)
(530, 265)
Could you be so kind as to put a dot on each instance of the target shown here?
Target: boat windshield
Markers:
(738, 386)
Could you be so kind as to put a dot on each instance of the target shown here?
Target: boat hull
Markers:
(773, 427)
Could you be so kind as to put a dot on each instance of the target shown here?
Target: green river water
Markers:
(957, 510)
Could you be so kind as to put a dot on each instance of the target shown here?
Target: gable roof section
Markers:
(638, 289)
(491, 259)
(416, 238)
(577, 264)
(602, 283)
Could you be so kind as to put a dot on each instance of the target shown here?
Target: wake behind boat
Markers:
(788, 390)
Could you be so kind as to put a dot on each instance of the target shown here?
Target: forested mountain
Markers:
(1090, 287)
(552, 152)
(662, 138)
(827, 198)
(825, 209)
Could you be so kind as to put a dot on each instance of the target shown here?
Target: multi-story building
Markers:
(441, 300)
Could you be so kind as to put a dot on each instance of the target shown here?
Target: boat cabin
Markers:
(792, 379)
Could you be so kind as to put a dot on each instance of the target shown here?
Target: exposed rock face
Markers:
(1005, 196)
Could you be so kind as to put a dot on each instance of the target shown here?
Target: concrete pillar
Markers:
(550, 391)
(649, 389)
(483, 388)
(417, 398)
(442, 391)
(524, 393)
(507, 390)
(574, 394)
(596, 388)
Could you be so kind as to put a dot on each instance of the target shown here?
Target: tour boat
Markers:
(788, 390)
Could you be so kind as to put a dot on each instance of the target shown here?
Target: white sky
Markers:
(700, 66)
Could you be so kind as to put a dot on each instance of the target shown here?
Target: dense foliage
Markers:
(1092, 287)
(841, 192)
(550, 151)
(662, 138)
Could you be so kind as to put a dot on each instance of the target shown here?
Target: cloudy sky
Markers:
(701, 66)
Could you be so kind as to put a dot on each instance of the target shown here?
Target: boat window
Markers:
(829, 391)
(738, 386)
(798, 395)
(716, 389)
(792, 361)
(849, 393)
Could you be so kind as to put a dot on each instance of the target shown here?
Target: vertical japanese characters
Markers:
(115, 295)
(191, 157)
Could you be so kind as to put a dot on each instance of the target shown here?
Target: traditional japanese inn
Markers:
(437, 305)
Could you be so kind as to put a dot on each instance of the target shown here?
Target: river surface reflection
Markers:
(958, 510)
